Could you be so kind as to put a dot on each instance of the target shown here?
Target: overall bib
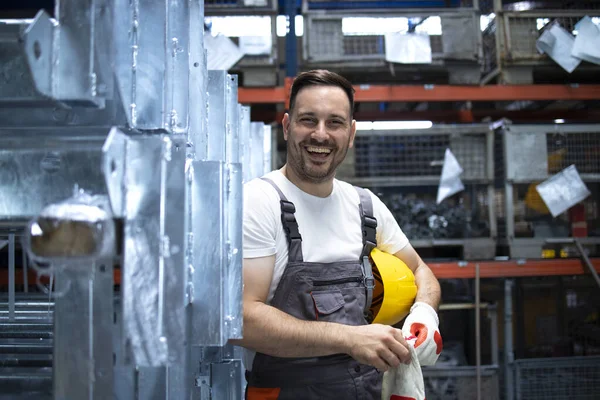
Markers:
(334, 292)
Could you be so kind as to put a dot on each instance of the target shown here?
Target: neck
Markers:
(322, 189)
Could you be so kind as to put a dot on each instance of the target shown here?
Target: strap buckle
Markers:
(367, 271)
(288, 220)
(370, 222)
(288, 206)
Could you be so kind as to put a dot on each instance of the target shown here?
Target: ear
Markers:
(286, 125)
(352, 134)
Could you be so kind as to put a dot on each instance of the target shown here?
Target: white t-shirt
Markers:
(330, 227)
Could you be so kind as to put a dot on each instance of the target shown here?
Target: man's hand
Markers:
(381, 346)
(422, 323)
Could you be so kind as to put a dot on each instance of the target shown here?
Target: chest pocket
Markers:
(326, 303)
(335, 300)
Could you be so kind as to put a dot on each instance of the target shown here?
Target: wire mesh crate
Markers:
(415, 157)
(460, 383)
(345, 38)
(404, 167)
(523, 29)
(532, 154)
(574, 378)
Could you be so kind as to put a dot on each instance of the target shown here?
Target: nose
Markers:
(320, 132)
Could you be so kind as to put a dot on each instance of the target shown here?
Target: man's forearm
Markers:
(271, 331)
(428, 287)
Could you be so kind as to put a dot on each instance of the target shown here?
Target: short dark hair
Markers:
(321, 77)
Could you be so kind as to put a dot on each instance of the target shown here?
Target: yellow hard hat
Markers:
(395, 289)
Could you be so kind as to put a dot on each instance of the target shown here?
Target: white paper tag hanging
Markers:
(450, 182)
(563, 190)
(558, 43)
(587, 42)
(408, 48)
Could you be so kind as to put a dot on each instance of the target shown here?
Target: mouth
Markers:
(318, 153)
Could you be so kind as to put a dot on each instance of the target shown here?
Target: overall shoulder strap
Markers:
(367, 221)
(290, 225)
(368, 225)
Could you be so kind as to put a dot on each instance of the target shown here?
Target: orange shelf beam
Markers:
(443, 270)
(410, 93)
(512, 268)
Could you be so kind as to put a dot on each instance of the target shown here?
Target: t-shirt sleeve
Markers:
(260, 223)
(390, 237)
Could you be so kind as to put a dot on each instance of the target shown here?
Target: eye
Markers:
(307, 120)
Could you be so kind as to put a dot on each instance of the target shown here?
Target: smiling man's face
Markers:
(319, 131)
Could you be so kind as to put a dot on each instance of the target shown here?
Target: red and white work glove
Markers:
(422, 323)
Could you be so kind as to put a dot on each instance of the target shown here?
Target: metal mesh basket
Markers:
(460, 383)
(573, 378)
(535, 152)
(417, 156)
(327, 41)
(524, 29)
(579, 148)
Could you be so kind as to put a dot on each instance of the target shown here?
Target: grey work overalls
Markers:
(335, 292)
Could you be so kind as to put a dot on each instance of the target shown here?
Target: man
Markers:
(305, 283)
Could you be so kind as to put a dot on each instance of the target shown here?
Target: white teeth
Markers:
(318, 150)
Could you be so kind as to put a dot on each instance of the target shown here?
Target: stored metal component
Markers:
(217, 263)
(219, 92)
(245, 133)
(153, 69)
(57, 53)
(154, 229)
(198, 91)
(169, 221)
(37, 171)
